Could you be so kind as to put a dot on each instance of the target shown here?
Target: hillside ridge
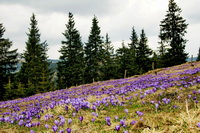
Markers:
(161, 100)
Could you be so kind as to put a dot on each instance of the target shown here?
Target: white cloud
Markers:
(116, 17)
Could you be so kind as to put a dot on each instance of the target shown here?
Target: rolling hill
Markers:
(164, 100)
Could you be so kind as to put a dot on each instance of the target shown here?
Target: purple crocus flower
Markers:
(125, 132)
(11, 121)
(126, 111)
(6, 119)
(194, 92)
(116, 118)
(61, 131)
(47, 126)
(38, 123)
(143, 102)
(62, 121)
(73, 114)
(198, 124)
(1, 119)
(66, 108)
(174, 106)
(94, 114)
(194, 98)
(31, 131)
(34, 124)
(139, 113)
(165, 100)
(152, 102)
(54, 128)
(117, 127)
(156, 105)
(69, 121)
(133, 122)
(122, 122)
(68, 130)
(56, 122)
(20, 122)
(81, 118)
(94, 108)
(93, 119)
(38, 116)
(108, 121)
(28, 125)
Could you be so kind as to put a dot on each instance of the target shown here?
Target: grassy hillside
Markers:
(164, 100)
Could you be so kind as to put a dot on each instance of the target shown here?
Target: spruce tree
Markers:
(162, 50)
(143, 53)
(134, 41)
(109, 66)
(198, 56)
(132, 51)
(8, 61)
(172, 32)
(93, 53)
(71, 66)
(123, 60)
(35, 71)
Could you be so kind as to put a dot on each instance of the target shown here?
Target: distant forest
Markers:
(95, 60)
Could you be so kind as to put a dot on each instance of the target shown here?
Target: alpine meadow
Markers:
(95, 87)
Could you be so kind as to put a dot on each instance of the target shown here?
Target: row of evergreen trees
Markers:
(94, 60)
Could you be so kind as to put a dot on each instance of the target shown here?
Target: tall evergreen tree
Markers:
(109, 68)
(71, 66)
(198, 56)
(8, 61)
(35, 73)
(143, 54)
(132, 51)
(93, 53)
(172, 32)
(134, 41)
(162, 50)
(123, 60)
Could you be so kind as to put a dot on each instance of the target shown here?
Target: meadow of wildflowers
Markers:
(163, 100)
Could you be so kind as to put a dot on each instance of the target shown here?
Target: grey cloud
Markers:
(116, 17)
(82, 7)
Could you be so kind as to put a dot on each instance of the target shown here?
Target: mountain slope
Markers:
(163, 100)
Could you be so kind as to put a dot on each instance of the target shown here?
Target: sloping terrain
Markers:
(164, 100)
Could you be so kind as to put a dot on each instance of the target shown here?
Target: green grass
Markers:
(166, 119)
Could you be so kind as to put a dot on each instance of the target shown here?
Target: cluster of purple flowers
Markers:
(108, 120)
(23, 111)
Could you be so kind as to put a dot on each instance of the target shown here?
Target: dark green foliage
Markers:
(18, 90)
(132, 51)
(8, 61)
(123, 60)
(155, 61)
(109, 67)
(143, 53)
(35, 73)
(134, 41)
(172, 32)
(94, 53)
(71, 66)
(161, 57)
(198, 56)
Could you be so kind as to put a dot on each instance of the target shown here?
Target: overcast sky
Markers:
(116, 17)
